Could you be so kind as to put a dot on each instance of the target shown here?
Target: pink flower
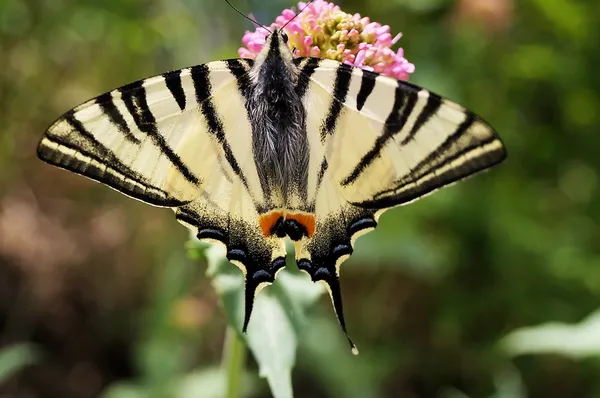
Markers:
(323, 30)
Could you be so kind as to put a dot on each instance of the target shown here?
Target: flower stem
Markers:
(234, 359)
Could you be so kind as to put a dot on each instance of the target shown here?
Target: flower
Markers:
(323, 30)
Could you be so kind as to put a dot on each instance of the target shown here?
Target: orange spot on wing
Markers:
(305, 219)
(268, 220)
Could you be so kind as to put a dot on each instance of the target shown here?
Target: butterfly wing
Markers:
(338, 225)
(132, 138)
(228, 212)
(390, 142)
(377, 142)
(177, 140)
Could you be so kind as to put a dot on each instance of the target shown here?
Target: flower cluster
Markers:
(323, 30)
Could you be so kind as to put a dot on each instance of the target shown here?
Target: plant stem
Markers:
(234, 358)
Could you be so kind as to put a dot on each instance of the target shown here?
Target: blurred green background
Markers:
(486, 289)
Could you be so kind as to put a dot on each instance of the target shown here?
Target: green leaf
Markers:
(272, 340)
(15, 357)
(210, 383)
(508, 384)
(576, 341)
(162, 346)
(423, 6)
(326, 355)
(207, 383)
(126, 390)
(277, 317)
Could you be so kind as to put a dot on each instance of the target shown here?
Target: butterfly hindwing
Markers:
(376, 143)
(258, 257)
(338, 225)
(228, 212)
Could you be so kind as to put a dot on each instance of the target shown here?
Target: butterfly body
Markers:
(278, 118)
(249, 152)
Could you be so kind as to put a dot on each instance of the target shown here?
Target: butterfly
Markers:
(249, 152)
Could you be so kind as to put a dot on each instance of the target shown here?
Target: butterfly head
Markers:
(276, 46)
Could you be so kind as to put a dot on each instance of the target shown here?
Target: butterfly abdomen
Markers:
(278, 120)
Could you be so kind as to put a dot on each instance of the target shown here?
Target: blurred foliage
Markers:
(442, 299)
(278, 318)
(14, 358)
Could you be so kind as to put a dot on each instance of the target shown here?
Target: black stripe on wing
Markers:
(405, 99)
(175, 86)
(107, 105)
(239, 69)
(367, 84)
(202, 86)
(434, 102)
(115, 173)
(449, 151)
(307, 68)
(135, 98)
(343, 76)
(245, 87)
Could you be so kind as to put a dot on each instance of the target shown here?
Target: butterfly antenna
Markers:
(300, 12)
(255, 22)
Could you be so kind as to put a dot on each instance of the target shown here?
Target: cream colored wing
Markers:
(230, 209)
(178, 140)
(150, 139)
(376, 143)
(389, 142)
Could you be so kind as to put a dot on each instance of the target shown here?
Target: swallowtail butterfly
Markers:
(248, 152)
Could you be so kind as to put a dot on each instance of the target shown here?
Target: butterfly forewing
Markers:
(147, 139)
(394, 142)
